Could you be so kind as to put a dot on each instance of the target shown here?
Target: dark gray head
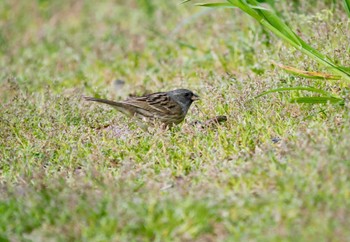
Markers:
(183, 97)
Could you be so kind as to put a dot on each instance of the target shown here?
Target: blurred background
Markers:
(66, 44)
(149, 44)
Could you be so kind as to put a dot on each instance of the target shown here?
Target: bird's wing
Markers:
(158, 104)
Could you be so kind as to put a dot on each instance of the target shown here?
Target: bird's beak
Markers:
(195, 97)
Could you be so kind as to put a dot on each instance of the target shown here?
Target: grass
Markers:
(76, 171)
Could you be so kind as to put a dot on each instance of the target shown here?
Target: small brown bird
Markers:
(167, 107)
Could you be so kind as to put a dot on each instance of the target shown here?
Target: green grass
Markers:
(76, 171)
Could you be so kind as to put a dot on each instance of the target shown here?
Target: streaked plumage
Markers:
(167, 107)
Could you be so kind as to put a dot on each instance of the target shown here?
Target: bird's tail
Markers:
(112, 103)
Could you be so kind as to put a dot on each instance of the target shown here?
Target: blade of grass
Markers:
(215, 5)
(226, 5)
(306, 74)
(347, 6)
(318, 100)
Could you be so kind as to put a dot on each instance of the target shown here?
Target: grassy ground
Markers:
(76, 171)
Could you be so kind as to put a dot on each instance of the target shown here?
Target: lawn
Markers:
(72, 170)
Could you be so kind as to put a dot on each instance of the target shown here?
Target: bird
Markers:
(167, 107)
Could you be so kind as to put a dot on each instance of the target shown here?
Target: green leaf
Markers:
(278, 24)
(259, 7)
(216, 5)
(227, 5)
(347, 6)
(344, 68)
(318, 100)
(245, 7)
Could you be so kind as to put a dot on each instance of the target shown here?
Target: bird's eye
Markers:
(187, 95)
